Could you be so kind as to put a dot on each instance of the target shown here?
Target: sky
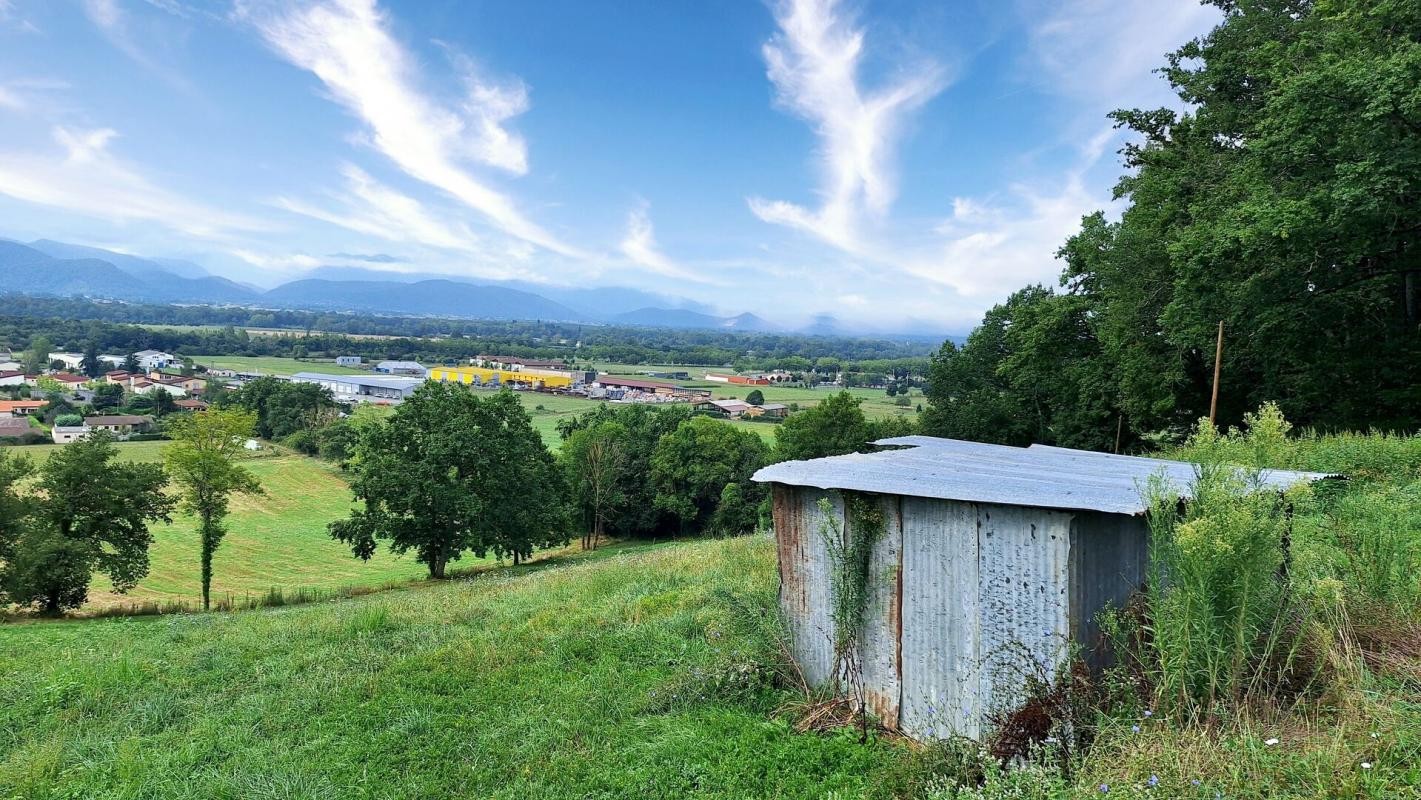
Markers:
(897, 165)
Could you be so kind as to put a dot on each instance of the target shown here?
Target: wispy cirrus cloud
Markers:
(370, 207)
(814, 63)
(348, 46)
(640, 247)
(83, 175)
(115, 23)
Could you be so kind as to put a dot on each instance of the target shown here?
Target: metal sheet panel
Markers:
(804, 578)
(940, 694)
(878, 652)
(1110, 556)
(1043, 477)
(1024, 562)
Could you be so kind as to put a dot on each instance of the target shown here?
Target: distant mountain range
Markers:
(52, 268)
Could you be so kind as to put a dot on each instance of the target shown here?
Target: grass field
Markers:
(277, 540)
(612, 679)
(876, 402)
(272, 365)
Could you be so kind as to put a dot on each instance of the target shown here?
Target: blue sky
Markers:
(894, 164)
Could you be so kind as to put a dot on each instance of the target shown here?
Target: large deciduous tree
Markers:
(203, 459)
(1284, 202)
(451, 472)
(637, 514)
(692, 465)
(833, 427)
(93, 516)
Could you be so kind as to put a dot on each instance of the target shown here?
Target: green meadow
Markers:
(277, 540)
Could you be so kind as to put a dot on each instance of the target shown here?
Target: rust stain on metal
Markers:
(882, 706)
(789, 545)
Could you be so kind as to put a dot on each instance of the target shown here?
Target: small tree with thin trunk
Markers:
(595, 459)
(203, 460)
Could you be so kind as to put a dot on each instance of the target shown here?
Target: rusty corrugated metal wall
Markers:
(968, 600)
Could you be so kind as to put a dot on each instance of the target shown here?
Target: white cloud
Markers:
(10, 99)
(85, 177)
(347, 45)
(377, 210)
(639, 246)
(1107, 50)
(113, 22)
(814, 63)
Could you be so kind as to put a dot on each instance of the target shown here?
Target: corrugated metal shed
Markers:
(994, 561)
(1037, 476)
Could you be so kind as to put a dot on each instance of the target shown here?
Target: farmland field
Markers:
(876, 402)
(273, 365)
(278, 540)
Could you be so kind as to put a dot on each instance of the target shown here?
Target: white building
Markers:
(384, 389)
(349, 361)
(64, 434)
(411, 368)
(150, 360)
(69, 360)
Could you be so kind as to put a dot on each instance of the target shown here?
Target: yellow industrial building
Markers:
(486, 376)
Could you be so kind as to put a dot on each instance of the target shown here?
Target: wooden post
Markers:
(1218, 361)
(1119, 427)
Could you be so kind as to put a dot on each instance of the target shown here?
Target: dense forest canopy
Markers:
(1285, 202)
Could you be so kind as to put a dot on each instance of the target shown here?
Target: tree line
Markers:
(71, 323)
(452, 472)
(1285, 202)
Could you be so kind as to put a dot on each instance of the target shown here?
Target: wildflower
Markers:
(1153, 781)
(1104, 787)
(1149, 713)
(1195, 782)
(1366, 765)
(1134, 728)
(1271, 742)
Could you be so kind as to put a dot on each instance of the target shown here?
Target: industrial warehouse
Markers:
(995, 561)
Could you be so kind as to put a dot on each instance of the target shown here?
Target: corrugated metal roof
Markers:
(1038, 476)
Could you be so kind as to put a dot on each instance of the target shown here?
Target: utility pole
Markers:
(1218, 360)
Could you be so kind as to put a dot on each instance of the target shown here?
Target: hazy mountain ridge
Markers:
(46, 267)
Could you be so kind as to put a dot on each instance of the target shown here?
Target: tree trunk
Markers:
(436, 566)
(51, 604)
(515, 558)
(206, 561)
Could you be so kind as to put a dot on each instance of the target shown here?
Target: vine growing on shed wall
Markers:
(850, 551)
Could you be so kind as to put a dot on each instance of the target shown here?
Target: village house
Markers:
(191, 404)
(69, 380)
(349, 361)
(20, 408)
(12, 377)
(189, 384)
(120, 425)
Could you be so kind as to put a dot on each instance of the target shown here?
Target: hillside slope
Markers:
(613, 678)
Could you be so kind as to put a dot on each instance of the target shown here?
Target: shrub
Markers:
(1217, 589)
(69, 420)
